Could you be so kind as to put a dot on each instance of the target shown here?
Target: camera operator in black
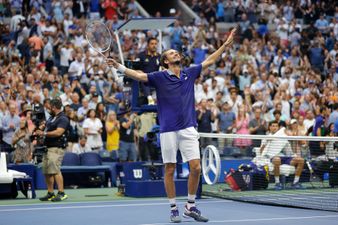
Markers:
(56, 143)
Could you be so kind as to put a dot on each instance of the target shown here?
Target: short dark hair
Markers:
(277, 112)
(150, 39)
(82, 137)
(56, 102)
(273, 122)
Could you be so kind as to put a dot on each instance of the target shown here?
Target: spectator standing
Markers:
(22, 143)
(317, 148)
(10, 123)
(74, 129)
(149, 61)
(226, 121)
(110, 9)
(113, 134)
(92, 127)
(242, 127)
(144, 123)
(204, 119)
(127, 150)
(257, 126)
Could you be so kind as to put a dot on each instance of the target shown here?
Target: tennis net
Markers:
(278, 169)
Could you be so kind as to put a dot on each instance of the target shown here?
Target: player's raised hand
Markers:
(230, 38)
(112, 62)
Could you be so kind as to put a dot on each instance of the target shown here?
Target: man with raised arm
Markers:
(177, 117)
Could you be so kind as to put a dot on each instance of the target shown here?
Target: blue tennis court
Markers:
(156, 212)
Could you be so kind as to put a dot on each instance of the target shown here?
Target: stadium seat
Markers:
(71, 159)
(90, 159)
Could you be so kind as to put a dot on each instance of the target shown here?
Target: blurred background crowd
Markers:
(283, 66)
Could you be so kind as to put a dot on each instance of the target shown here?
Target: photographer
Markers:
(56, 142)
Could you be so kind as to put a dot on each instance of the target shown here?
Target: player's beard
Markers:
(177, 62)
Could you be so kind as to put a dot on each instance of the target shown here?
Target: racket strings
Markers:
(98, 36)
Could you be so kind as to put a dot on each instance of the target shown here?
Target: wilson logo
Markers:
(137, 174)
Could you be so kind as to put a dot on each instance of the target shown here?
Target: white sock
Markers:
(277, 179)
(172, 202)
(191, 201)
(296, 180)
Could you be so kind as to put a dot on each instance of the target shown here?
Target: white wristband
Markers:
(121, 68)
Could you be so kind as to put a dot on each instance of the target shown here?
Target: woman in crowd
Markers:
(113, 134)
(93, 128)
(101, 114)
(242, 127)
(75, 131)
(22, 143)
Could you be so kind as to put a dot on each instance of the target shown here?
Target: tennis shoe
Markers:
(297, 186)
(60, 197)
(278, 187)
(175, 216)
(48, 197)
(194, 213)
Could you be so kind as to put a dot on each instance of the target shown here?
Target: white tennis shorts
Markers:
(185, 140)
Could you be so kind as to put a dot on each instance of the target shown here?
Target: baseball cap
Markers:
(298, 94)
(293, 121)
(95, 94)
(7, 87)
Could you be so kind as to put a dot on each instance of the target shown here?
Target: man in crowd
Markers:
(280, 152)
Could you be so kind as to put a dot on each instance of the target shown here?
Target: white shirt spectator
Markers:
(66, 24)
(282, 30)
(220, 82)
(94, 139)
(47, 50)
(286, 109)
(22, 35)
(308, 123)
(76, 68)
(65, 56)
(78, 149)
(234, 105)
(78, 40)
(15, 20)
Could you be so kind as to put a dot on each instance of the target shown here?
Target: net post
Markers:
(160, 40)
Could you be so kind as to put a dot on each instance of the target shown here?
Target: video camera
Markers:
(38, 114)
(153, 136)
(38, 118)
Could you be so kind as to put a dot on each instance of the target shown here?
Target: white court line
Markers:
(101, 206)
(180, 199)
(255, 220)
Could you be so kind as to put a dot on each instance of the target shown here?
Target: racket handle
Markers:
(309, 166)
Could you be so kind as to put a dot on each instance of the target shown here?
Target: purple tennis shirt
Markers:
(175, 98)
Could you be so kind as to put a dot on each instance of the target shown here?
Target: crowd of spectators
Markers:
(283, 66)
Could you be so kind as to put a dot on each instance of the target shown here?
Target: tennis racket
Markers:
(99, 37)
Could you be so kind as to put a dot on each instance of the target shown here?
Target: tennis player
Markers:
(177, 117)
